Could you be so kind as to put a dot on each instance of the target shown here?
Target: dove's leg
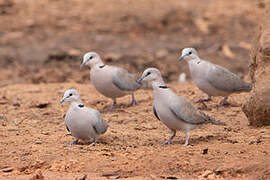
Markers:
(74, 142)
(171, 138)
(224, 101)
(187, 138)
(94, 141)
(208, 98)
(133, 102)
(113, 105)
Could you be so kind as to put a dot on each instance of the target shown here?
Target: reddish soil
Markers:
(33, 137)
(41, 46)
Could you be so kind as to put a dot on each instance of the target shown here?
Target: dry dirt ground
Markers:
(41, 47)
(33, 139)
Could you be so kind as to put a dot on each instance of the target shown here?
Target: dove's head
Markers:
(71, 95)
(91, 59)
(188, 54)
(151, 74)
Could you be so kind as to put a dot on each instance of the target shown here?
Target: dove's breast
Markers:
(102, 79)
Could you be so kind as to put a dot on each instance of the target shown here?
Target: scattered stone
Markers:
(232, 141)
(37, 176)
(205, 151)
(40, 105)
(16, 105)
(206, 173)
(228, 129)
(253, 142)
(114, 177)
(38, 142)
(109, 174)
(6, 170)
(219, 171)
(83, 178)
(171, 177)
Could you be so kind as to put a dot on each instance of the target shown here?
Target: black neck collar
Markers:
(102, 66)
(81, 105)
(163, 87)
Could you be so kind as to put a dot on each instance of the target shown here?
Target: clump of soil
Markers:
(257, 107)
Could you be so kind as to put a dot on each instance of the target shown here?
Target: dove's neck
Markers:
(76, 102)
(195, 60)
(97, 63)
(157, 84)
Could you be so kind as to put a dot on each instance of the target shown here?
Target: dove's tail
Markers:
(213, 120)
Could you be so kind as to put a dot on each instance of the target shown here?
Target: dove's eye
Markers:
(70, 94)
(148, 73)
(91, 57)
(190, 53)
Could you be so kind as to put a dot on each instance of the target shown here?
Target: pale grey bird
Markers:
(111, 81)
(174, 111)
(82, 122)
(213, 79)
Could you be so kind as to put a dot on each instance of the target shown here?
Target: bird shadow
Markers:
(197, 140)
(121, 106)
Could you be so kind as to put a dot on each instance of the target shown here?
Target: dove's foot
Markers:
(133, 102)
(170, 139)
(113, 106)
(224, 102)
(187, 138)
(73, 142)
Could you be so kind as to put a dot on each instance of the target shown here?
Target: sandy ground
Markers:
(40, 57)
(48, 45)
(33, 139)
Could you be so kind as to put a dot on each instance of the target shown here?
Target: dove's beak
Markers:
(82, 65)
(63, 100)
(181, 58)
(139, 80)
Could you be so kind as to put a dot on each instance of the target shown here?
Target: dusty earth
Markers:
(41, 46)
(33, 139)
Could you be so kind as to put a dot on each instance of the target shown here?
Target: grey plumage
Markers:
(174, 111)
(125, 81)
(225, 80)
(213, 79)
(185, 111)
(111, 81)
(155, 112)
(82, 122)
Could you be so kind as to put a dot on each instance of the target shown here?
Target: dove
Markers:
(213, 79)
(83, 122)
(111, 81)
(174, 111)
